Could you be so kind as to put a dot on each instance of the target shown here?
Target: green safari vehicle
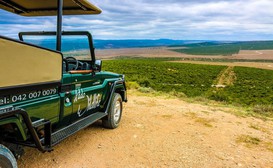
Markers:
(51, 83)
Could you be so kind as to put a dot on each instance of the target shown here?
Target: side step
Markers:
(61, 134)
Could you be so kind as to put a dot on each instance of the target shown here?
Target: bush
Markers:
(145, 90)
(144, 82)
(132, 85)
(218, 96)
(266, 110)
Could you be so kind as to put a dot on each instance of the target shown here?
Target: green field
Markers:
(192, 80)
(214, 48)
(251, 86)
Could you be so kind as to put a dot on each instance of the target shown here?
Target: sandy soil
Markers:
(252, 54)
(140, 52)
(165, 52)
(165, 132)
(148, 52)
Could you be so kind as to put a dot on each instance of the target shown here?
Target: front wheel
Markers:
(114, 114)
(7, 159)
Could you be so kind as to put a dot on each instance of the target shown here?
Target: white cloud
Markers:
(178, 19)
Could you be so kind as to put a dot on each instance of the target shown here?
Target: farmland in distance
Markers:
(225, 49)
(237, 73)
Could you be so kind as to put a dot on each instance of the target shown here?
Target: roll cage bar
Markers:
(72, 33)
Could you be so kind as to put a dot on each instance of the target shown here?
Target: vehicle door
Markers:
(87, 96)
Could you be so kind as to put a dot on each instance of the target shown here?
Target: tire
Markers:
(114, 114)
(7, 159)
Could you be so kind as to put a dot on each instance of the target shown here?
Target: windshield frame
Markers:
(67, 33)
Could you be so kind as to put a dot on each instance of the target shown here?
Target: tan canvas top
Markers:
(48, 7)
(23, 64)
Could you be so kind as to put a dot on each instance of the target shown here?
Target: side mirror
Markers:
(98, 64)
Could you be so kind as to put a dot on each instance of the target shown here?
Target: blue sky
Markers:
(155, 19)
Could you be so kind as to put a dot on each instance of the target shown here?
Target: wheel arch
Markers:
(16, 125)
(121, 89)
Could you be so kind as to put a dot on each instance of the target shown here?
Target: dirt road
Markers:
(165, 132)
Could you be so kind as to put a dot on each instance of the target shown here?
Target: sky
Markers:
(225, 20)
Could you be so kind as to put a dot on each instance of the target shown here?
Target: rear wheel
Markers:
(7, 160)
(114, 114)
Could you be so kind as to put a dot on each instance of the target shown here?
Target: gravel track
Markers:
(164, 132)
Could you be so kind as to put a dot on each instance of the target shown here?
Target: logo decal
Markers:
(79, 95)
(93, 101)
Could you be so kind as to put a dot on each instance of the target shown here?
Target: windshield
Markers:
(76, 46)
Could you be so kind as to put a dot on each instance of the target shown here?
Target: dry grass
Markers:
(258, 127)
(248, 140)
(204, 121)
(251, 141)
(265, 110)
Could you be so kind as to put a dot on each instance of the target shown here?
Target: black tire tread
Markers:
(107, 122)
(7, 154)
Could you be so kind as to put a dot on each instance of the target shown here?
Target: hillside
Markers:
(247, 86)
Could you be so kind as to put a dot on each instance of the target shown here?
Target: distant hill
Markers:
(194, 47)
(111, 44)
(223, 48)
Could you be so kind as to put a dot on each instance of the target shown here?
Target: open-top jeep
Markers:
(51, 84)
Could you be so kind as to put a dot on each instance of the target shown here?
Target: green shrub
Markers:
(145, 90)
(266, 110)
(218, 96)
(144, 82)
(132, 85)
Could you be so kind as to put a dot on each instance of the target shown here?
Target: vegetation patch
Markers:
(167, 116)
(190, 79)
(145, 90)
(226, 49)
(246, 87)
(204, 121)
(248, 140)
(209, 49)
(259, 128)
(252, 87)
(265, 110)
(132, 85)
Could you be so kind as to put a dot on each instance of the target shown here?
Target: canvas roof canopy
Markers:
(24, 64)
(48, 7)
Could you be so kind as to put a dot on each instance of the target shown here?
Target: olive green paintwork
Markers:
(58, 109)
(77, 96)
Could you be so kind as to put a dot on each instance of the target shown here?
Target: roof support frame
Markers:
(59, 26)
(49, 7)
(18, 9)
(79, 4)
